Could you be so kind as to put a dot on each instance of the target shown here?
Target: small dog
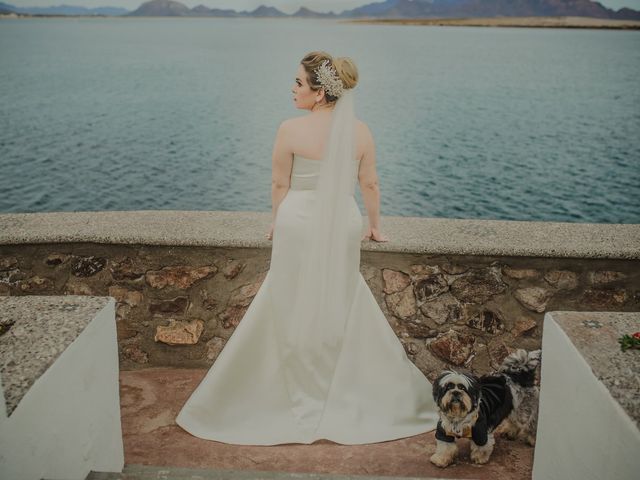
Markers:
(474, 407)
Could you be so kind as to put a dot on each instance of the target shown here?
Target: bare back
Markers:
(306, 136)
(310, 133)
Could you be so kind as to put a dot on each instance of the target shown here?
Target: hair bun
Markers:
(347, 70)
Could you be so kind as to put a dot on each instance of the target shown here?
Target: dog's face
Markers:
(455, 393)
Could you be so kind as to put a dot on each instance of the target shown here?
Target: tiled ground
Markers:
(151, 399)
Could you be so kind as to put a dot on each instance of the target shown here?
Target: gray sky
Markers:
(287, 6)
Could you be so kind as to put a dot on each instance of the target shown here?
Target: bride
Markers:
(314, 356)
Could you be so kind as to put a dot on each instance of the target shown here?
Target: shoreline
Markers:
(523, 22)
(527, 22)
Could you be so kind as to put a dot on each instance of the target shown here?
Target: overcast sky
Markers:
(287, 6)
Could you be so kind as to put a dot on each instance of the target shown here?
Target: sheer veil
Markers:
(327, 276)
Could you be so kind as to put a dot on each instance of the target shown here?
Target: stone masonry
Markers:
(178, 305)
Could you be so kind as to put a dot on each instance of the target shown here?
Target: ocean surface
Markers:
(181, 114)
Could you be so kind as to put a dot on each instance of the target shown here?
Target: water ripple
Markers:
(519, 124)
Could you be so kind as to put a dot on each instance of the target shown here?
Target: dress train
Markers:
(367, 391)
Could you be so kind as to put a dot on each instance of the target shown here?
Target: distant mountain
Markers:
(202, 11)
(6, 8)
(65, 10)
(411, 9)
(384, 9)
(263, 11)
(627, 14)
(488, 8)
(171, 8)
(161, 8)
(306, 13)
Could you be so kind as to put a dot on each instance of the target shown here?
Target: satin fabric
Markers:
(356, 388)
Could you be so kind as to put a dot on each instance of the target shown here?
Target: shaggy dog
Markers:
(474, 407)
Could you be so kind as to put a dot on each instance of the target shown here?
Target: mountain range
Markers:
(63, 10)
(384, 9)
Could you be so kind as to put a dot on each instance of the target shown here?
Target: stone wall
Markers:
(177, 305)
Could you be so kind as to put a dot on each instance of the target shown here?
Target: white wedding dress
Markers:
(284, 377)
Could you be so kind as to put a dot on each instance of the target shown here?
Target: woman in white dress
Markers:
(314, 356)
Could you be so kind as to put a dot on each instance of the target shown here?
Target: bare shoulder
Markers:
(288, 123)
(287, 130)
(365, 139)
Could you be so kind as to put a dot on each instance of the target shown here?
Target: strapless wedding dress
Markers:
(364, 390)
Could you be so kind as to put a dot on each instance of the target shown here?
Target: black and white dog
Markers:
(473, 407)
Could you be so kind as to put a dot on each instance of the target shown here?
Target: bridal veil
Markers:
(325, 285)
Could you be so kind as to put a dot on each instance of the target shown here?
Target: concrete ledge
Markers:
(588, 418)
(228, 474)
(246, 230)
(595, 336)
(150, 471)
(40, 328)
(65, 422)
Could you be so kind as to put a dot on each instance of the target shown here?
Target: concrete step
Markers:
(146, 472)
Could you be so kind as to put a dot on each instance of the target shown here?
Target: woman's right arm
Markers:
(281, 164)
(368, 180)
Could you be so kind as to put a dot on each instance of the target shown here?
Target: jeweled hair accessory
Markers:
(329, 79)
